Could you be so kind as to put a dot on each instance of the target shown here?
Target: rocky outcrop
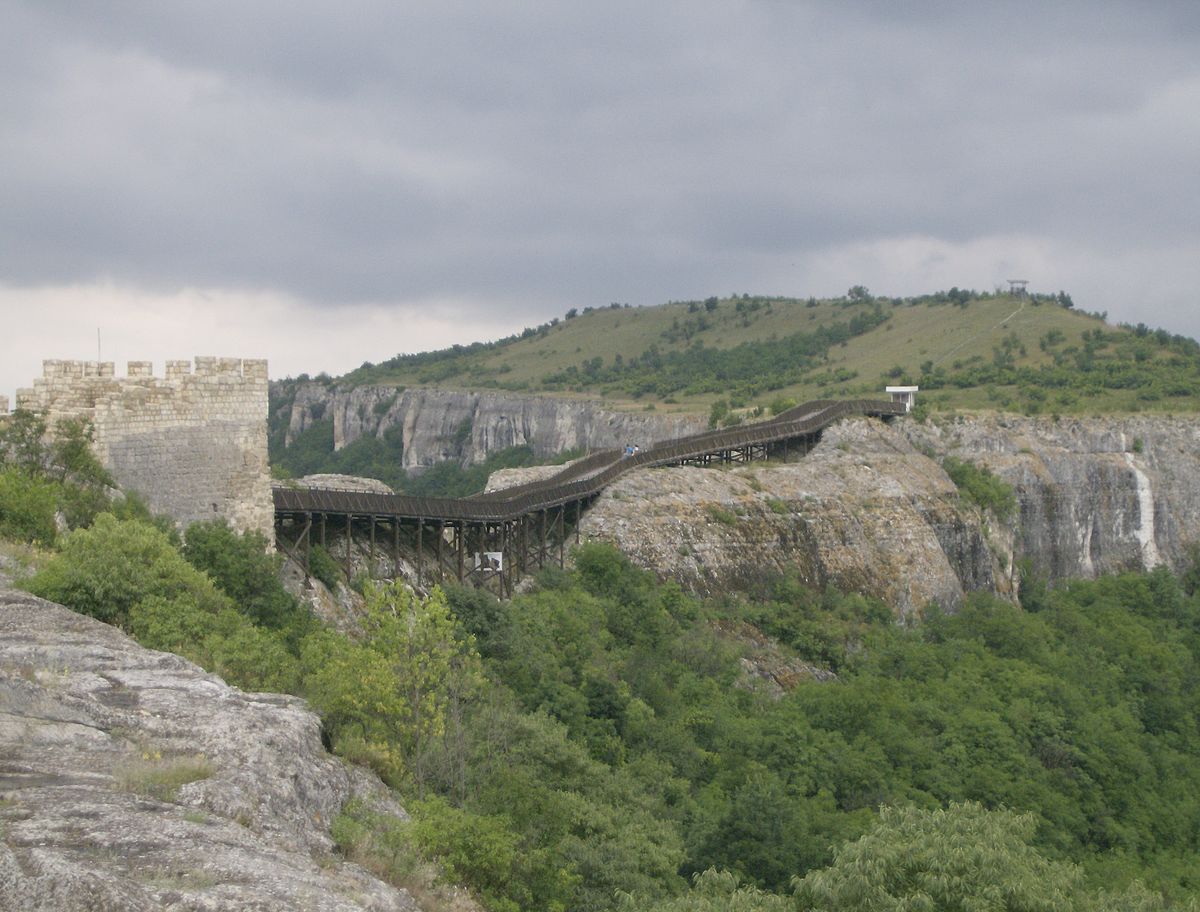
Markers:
(765, 666)
(865, 511)
(437, 425)
(132, 779)
(330, 482)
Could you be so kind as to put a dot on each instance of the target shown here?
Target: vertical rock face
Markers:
(438, 425)
(131, 779)
(1096, 495)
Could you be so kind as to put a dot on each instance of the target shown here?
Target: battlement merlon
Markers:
(55, 369)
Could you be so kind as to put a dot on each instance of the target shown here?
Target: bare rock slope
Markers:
(864, 511)
(871, 509)
(134, 780)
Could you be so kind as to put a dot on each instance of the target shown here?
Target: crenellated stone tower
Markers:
(194, 443)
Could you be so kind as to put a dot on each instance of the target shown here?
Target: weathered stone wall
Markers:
(3, 405)
(193, 444)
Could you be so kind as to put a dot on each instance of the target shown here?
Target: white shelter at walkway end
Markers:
(905, 394)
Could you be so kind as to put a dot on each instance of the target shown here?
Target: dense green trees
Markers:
(597, 737)
(247, 571)
(109, 569)
(130, 573)
(959, 859)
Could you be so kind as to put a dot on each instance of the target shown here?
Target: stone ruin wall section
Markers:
(194, 443)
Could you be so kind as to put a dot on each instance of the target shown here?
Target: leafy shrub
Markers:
(71, 454)
(981, 487)
(480, 850)
(248, 572)
(81, 504)
(718, 412)
(322, 565)
(105, 570)
(21, 445)
(27, 507)
(713, 891)
(959, 858)
(390, 695)
(380, 842)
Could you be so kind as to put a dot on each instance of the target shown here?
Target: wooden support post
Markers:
(322, 530)
(562, 536)
(371, 553)
(542, 543)
(462, 544)
(442, 538)
(420, 548)
(578, 510)
(480, 549)
(349, 528)
(524, 543)
(307, 545)
(505, 582)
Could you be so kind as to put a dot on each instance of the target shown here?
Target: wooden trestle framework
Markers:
(493, 555)
(492, 540)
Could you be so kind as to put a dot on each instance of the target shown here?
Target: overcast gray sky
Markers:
(322, 184)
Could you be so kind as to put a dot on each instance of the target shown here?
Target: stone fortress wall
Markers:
(194, 443)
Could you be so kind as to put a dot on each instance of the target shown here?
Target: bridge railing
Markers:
(578, 469)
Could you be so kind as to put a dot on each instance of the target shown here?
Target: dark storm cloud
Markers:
(546, 155)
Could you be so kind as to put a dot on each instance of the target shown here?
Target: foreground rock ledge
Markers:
(89, 720)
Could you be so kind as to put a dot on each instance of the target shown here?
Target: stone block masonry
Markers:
(194, 443)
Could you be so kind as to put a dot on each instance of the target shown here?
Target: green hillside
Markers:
(967, 350)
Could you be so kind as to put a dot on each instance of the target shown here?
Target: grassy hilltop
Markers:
(967, 350)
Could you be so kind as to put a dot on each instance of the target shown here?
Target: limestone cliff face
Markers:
(438, 425)
(871, 510)
(88, 720)
(864, 511)
(1096, 495)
